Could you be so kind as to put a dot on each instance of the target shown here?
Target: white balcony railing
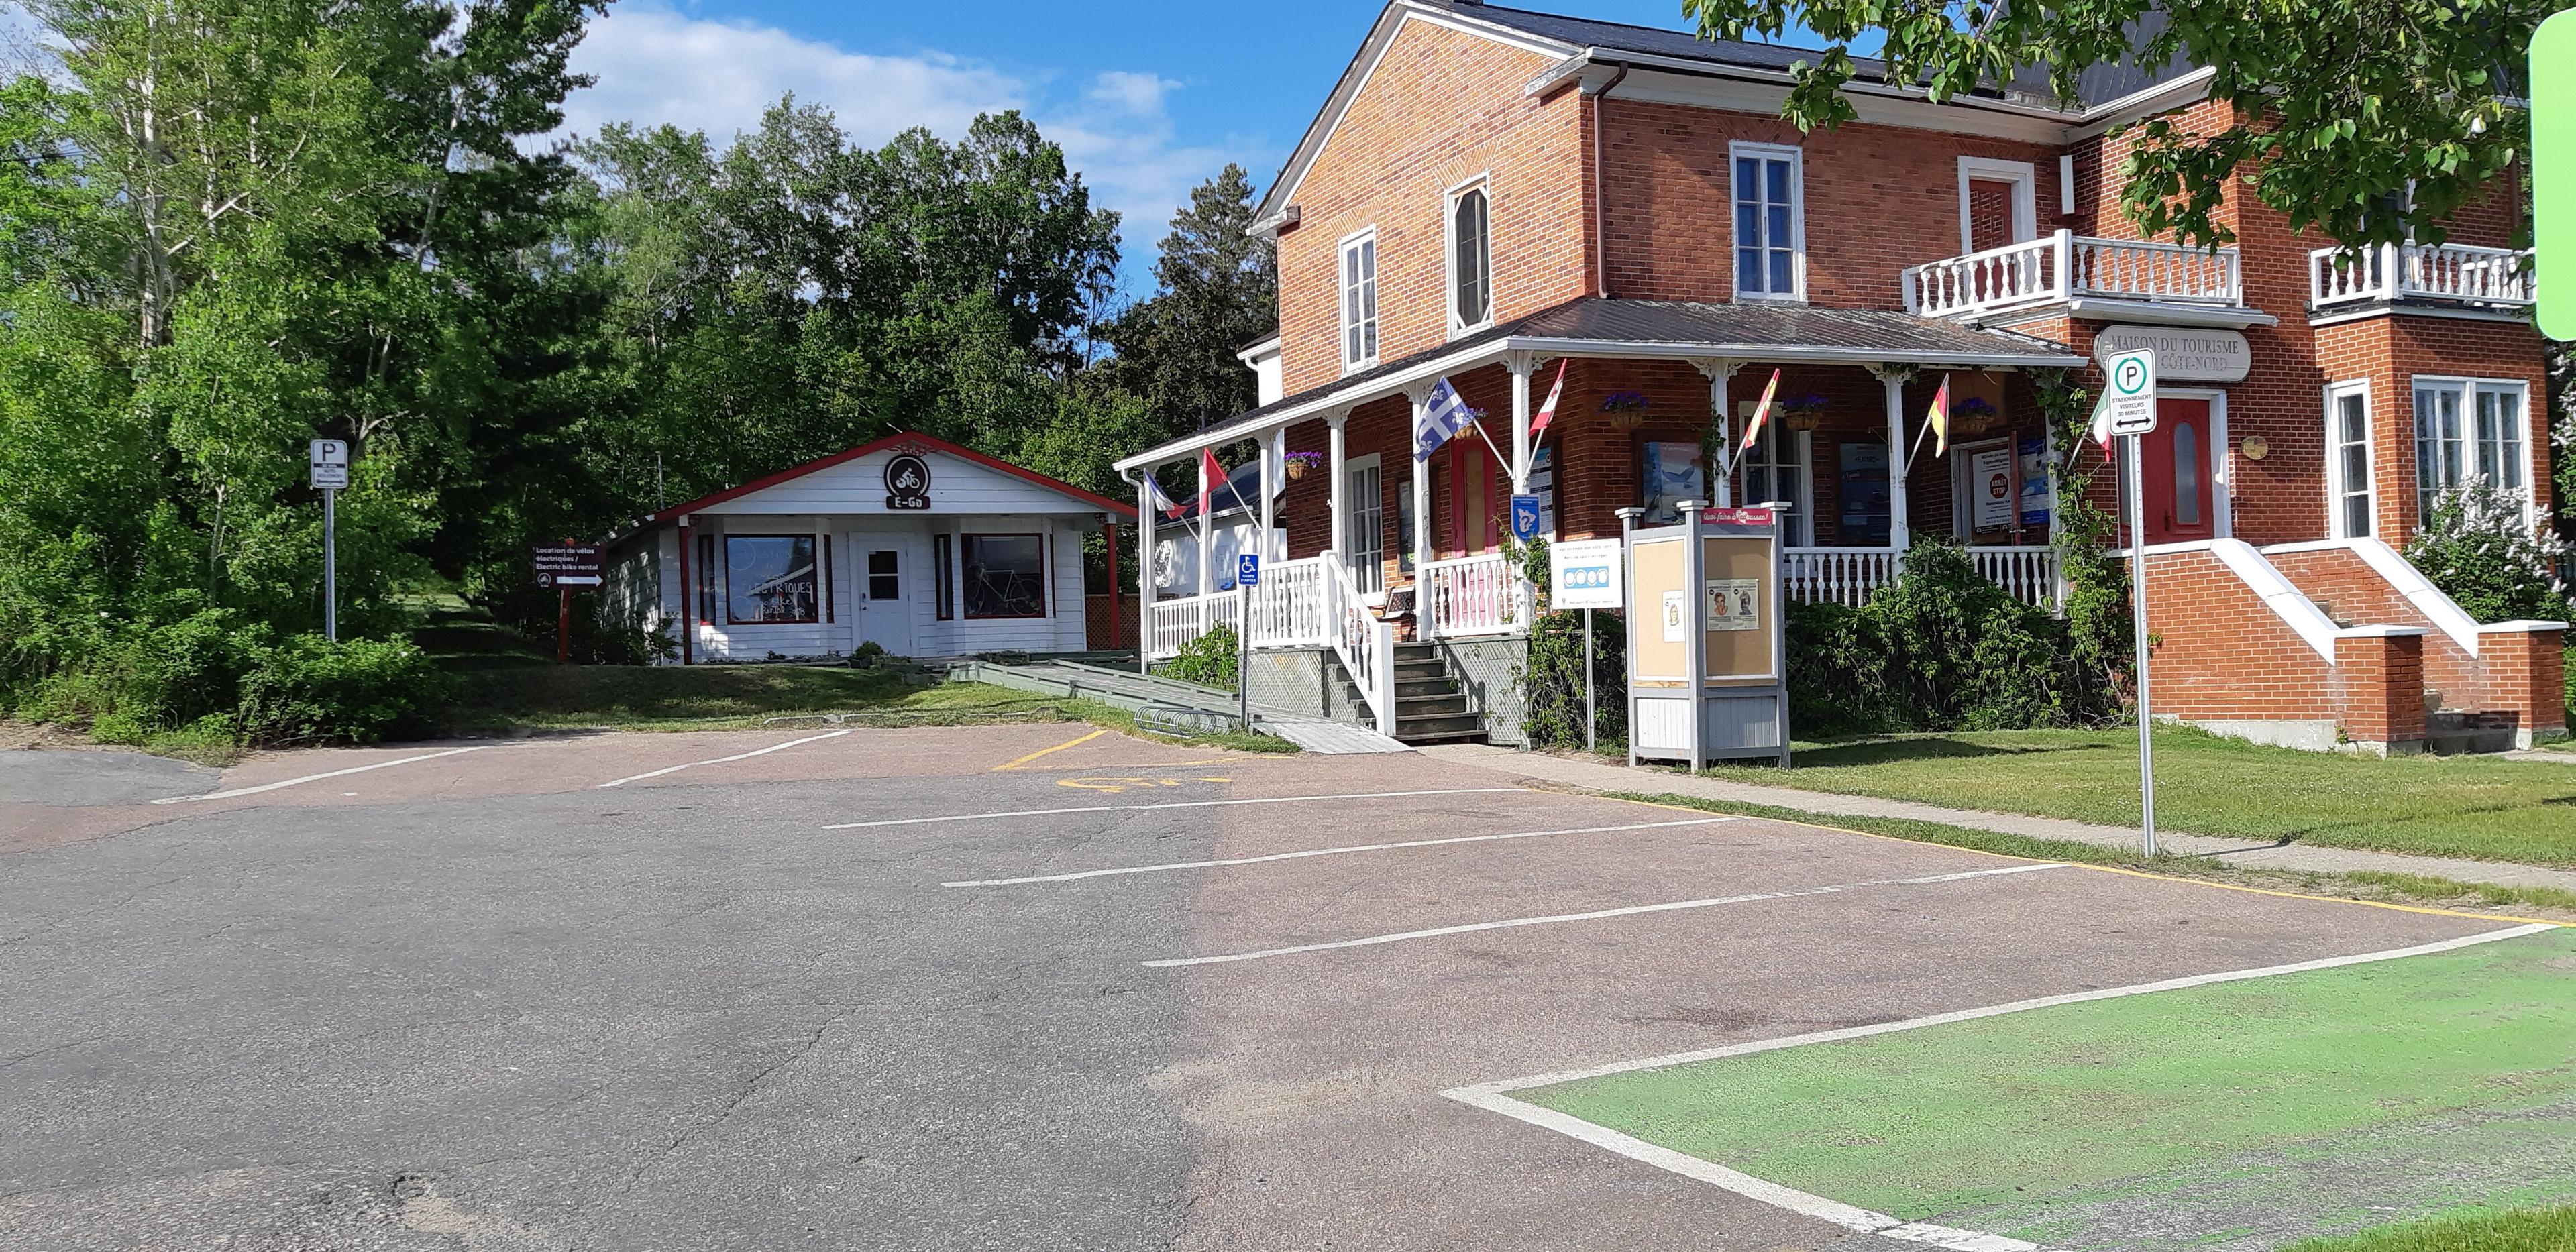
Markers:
(1849, 576)
(2059, 267)
(2451, 272)
(1472, 595)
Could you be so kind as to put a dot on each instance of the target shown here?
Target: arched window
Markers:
(1471, 260)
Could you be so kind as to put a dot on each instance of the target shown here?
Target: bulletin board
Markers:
(1738, 652)
(1656, 575)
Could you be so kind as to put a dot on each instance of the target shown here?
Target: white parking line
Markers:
(739, 756)
(1596, 915)
(337, 773)
(1176, 804)
(1496, 1097)
(1292, 856)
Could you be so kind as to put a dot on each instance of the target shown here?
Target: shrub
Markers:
(310, 690)
(1941, 648)
(1208, 660)
(2481, 552)
(1553, 679)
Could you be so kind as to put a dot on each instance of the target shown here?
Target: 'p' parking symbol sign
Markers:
(2132, 399)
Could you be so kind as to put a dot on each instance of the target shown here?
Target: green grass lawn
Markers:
(2542, 1230)
(2442, 806)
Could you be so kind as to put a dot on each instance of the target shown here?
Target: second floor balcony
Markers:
(2341, 279)
(2071, 270)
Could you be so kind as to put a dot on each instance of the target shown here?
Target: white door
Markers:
(881, 582)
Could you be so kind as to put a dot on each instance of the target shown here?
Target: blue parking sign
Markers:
(1524, 518)
(1247, 570)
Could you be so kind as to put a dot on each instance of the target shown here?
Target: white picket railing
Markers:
(1844, 576)
(1471, 595)
(2028, 571)
(2058, 267)
(1291, 605)
(1848, 576)
(1364, 642)
(1172, 623)
(2419, 272)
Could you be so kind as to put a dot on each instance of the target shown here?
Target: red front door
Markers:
(2176, 460)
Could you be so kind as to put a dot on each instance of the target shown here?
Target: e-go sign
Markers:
(2132, 397)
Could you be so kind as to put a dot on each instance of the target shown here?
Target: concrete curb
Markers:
(2252, 853)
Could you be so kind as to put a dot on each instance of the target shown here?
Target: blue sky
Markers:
(1149, 97)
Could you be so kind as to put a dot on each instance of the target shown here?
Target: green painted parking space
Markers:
(2233, 1114)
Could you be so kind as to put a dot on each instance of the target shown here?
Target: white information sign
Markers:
(1990, 488)
(2131, 394)
(1676, 616)
(330, 464)
(1586, 574)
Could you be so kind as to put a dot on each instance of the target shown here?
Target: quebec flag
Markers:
(1442, 417)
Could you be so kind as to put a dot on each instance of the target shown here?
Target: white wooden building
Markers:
(912, 543)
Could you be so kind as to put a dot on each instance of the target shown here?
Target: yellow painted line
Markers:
(1208, 760)
(2132, 873)
(2300, 895)
(1045, 751)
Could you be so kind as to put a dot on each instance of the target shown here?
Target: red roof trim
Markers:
(852, 454)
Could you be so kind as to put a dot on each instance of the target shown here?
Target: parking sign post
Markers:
(1247, 575)
(328, 459)
(2132, 402)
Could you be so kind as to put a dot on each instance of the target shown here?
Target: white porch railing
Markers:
(1291, 605)
(1171, 623)
(1844, 576)
(2055, 268)
(2419, 272)
(1364, 642)
(1472, 595)
(1848, 576)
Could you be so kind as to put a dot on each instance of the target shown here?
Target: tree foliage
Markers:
(2339, 111)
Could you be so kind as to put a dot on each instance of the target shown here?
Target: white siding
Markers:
(1062, 630)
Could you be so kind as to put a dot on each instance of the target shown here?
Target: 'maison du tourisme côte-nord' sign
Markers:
(2183, 354)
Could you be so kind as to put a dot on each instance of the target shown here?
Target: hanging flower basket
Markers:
(1802, 412)
(1300, 462)
(1626, 409)
(1974, 416)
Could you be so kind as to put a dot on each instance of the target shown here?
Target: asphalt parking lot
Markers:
(996, 987)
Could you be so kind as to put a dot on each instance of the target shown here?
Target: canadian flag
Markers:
(1547, 411)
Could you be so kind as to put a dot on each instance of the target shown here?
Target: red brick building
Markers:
(1503, 199)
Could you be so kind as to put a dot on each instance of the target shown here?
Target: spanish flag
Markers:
(1761, 413)
(1939, 418)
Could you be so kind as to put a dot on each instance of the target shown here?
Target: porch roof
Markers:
(1767, 333)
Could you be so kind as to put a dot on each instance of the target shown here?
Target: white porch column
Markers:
(1145, 518)
(1422, 553)
(1521, 365)
(1900, 536)
(1207, 539)
(1275, 463)
(1337, 505)
(1717, 371)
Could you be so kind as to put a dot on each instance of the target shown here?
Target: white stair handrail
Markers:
(1365, 645)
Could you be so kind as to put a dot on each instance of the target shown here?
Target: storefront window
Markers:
(1005, 575)
(769, 579)
(1672, 475)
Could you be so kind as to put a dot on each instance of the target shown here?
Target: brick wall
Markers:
(2388, 351)
(2528, 679)
(1441, 108)
(1878, 199)
(2222, 654)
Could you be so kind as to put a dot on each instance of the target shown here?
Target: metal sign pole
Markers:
(1591, 719)
(330, 565)
(1243, 652)
(2138, 615)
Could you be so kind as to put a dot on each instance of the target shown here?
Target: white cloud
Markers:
(656, 65)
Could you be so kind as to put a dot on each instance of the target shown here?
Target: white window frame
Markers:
(2471, 446)
(1796, 157)
(2339, 491)
(1367, 565)
(2024, 178)
(1481, 183)
(1364, 355)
